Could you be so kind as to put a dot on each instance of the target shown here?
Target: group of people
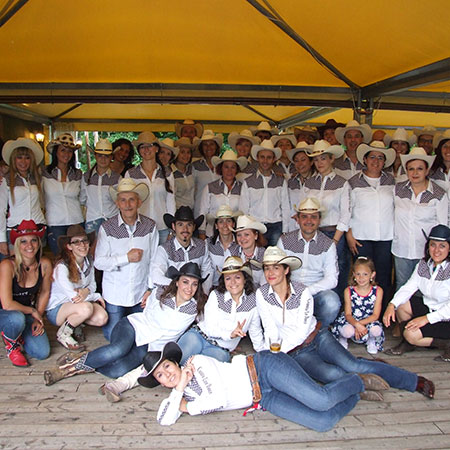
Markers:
(259, 239)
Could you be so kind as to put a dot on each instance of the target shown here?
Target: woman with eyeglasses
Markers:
(73, 299)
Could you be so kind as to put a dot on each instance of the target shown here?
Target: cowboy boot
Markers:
(14, 351)
(76, 367)
(403, 347)
(69, 357)
(64, 336)
(442, 344)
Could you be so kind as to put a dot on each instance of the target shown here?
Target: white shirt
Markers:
(441, 178)
(295, 185)
(63, 290)
(372, 208)
(222, 315)
(319, 271)
(62, 199)
(218, 256)
(344, 167)
(293, 321)
(258, 274)
(203, 175)
(162, 322)
(159, 201)
(124, 283)
(214, 195)
(333, 193)
(435, 287)
(95, 194)
(26, 205)
(266, 199)
(415, 215)
(215, 386)
(184, 186)
(250, 169)
(172, 253)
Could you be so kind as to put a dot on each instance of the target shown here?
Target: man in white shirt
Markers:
(126, 244)
(319, 271)
(264, 194)
(180, 249)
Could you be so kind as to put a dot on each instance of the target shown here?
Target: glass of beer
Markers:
(275, 343)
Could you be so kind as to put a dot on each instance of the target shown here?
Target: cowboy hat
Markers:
(305, 129)
(103, 146)
(223, 212)
(183, 214)
(365, 130)
(309, 205)
(72, 231)
(322, 147)
(11, 145)
(417, 153)
(376, 146)
(440, 137)
(264, 126)
(183, 142)
(27, 228)
(209, 135)
(400, 134)
(129, 185)
(234, 137)
(301, 146)
(329, 124)
(235, 264)
(265, 145)
(289, 136)
(146, 137)
(65, 139)
(438, 233)
(152, 360)
(189, 269)
(229, 155)
(189, 123)
(170, 144)
(246, 222)
(274, 255)
(427, 129)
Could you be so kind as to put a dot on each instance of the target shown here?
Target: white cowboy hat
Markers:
(146, 137)
(400, 134)
(289, 136)
(417, 153)
(103, 147)
(129, 185)
(306, 129)
(170, 145)
(209, 135)
(301, 146)
(322, 147)
(309, 205)
(223, 212)
(189, 123)
(274, 255)
(11, 145)
(365, 130)
(265, 145)
(234, 264)
(65, 139)
(264, 126)
(234, 137)
(376, 146)
(230, 155)
(440, 137)
(427, 129)
(246, 222)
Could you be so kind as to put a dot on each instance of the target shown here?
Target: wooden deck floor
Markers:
(72, 415)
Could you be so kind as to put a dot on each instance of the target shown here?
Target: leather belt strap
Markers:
(253, 379)
(308, 340)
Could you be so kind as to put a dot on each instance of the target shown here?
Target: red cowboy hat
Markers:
(26, 228)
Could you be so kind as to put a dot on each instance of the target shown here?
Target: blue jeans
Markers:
(273, 233)
(193, 343)
(121, 355)
(326, 360)
(15, 324)
(163, 235)
(288, 392)
(326, 307)
(115, 313)
(404, 268)
(53, 233)
(93, 225)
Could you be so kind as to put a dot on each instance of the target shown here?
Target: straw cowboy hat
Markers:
(230, 155)
(376, 146)
(427, 129)
(103, 147)
(184, 214)
(27, 228)
(365, 130)
(309, 205)
(440, 137)
(246, 222)
(264, 126)
(289, 136)
(329, 124)
(234, 137)
(234, 264)
(417, 153)
(65, 139)
(301, 146)
(170, 145)
(322, 147)
(209, 135)
(146, 137)
(72, 231)
(265, 145)
(306, 129)
(223, 212)
(129, 185)
(189, 123)
(183, 142)
(400, 134)
(11, 145)
(274, 255)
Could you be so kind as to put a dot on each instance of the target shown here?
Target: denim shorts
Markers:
(53, 313)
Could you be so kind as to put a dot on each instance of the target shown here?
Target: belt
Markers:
(253, 379)
(308, 340)
(329, 229)
(207, 338)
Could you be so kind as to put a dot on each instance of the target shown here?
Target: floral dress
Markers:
(362, 307)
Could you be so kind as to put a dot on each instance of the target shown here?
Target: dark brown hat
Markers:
(72, 231)
(330, 123)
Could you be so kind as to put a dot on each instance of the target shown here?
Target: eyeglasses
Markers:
(374, 157)
(79, 242)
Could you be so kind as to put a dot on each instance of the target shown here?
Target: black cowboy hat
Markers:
(330, 123)
(152, 360)
(189, 269)
(438, 233)
(184, 214)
